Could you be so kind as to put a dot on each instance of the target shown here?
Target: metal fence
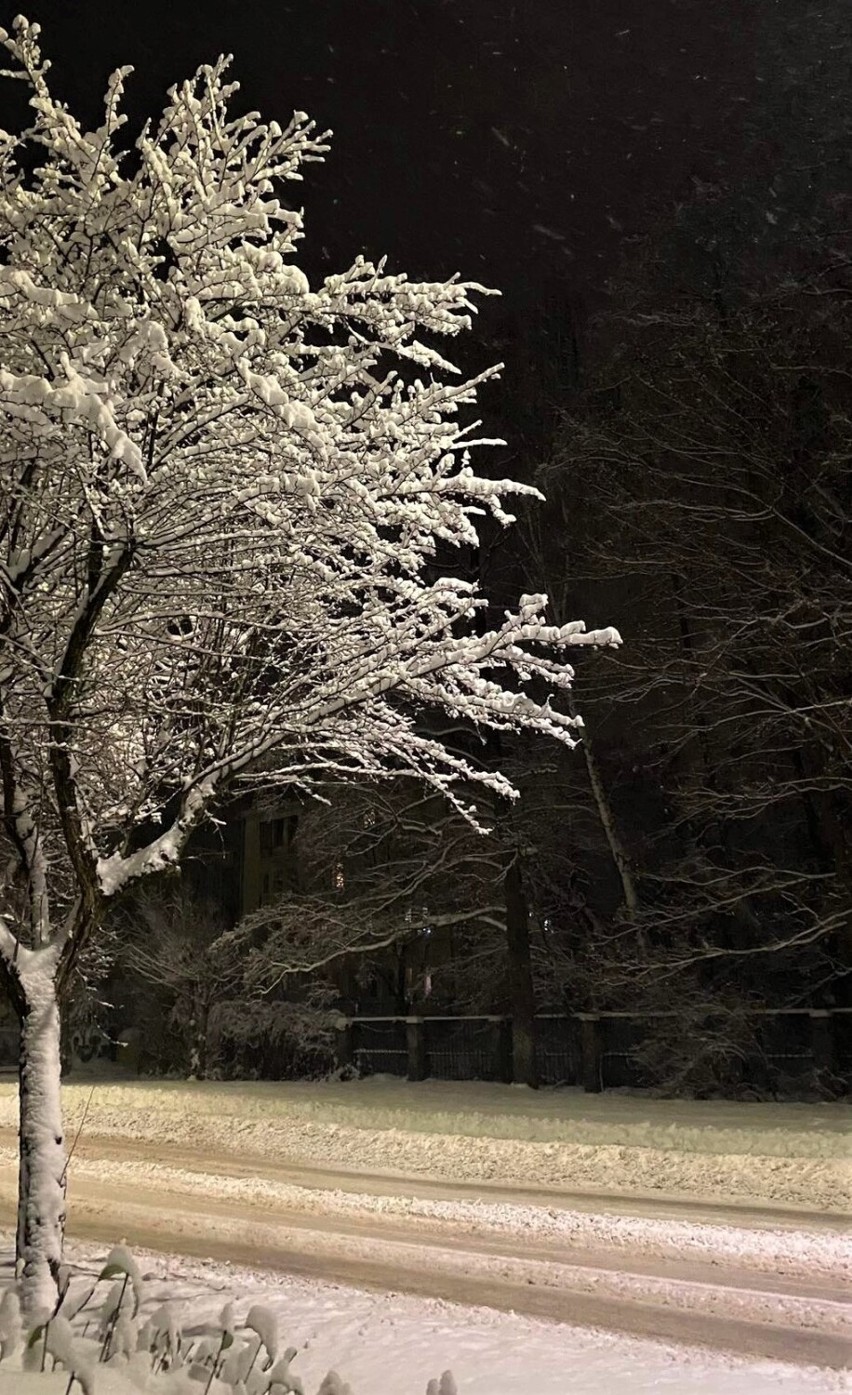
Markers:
(558, 1050)
(462, 1048)
(381, 1046)
(622, 1039)
(600, 1051)
(790, 1050)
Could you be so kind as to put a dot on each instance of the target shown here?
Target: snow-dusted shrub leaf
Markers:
(119, 1299)
(161, 1337)
(124, 1339)
(333, 1384)
(74, 1302)
(63, 1281)
(445, 1386)
(263, 1321)
(62, 1346)
(207, 1349)
(281, 1380)
(59, 1340)
(240, 1360)
(120, 1261)
(161, 1330)
(228, 1320)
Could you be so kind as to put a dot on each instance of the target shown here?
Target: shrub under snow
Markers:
(108, 1338)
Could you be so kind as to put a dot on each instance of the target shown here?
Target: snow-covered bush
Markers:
(108, 1337)
(257, 1038)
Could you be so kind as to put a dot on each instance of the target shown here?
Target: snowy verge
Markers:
(474, 1109)
(114, 1334)
(395, 1345)
(789, 1155)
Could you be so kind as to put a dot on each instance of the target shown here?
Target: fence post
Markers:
(345, 1043)
(590, 1051)
(822, 1039)
(504, 1052)
(415, 1041)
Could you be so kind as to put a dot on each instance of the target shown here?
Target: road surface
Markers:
(165, 1198)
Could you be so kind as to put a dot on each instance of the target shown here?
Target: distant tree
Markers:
(223, 491)
(718, 433)
(166, 937)
(396, 886)
(379, 866)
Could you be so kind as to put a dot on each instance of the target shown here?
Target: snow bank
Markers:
(791, 1155)
(476, 1109)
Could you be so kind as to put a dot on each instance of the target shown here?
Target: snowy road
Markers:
(756, 1282)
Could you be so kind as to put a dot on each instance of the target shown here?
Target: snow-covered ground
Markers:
(390, 1344)
(793, 1155)
(708, 1225)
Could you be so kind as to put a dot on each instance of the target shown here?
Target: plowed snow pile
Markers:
(795, 1155)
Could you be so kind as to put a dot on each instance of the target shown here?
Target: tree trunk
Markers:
(43, 1161)
(521, 993)
(198, 1042)
(607, 818)
(606, 815)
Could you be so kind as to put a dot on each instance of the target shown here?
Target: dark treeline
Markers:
(693, 439)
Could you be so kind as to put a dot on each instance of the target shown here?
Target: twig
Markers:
(114, 1321)
(76, 1137)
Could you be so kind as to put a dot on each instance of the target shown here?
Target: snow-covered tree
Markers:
(224, 491)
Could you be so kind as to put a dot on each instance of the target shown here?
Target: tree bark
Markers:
(198, 1039)
(521, 992)
(43, 1159)
(606, 815)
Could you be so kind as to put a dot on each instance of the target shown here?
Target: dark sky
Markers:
(516, 141)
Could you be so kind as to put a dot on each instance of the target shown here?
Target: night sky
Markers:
(519, 142)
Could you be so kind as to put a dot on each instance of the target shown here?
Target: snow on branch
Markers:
(224, 490)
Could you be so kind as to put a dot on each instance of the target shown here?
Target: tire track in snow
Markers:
(387, 1183)
(746, 1313)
